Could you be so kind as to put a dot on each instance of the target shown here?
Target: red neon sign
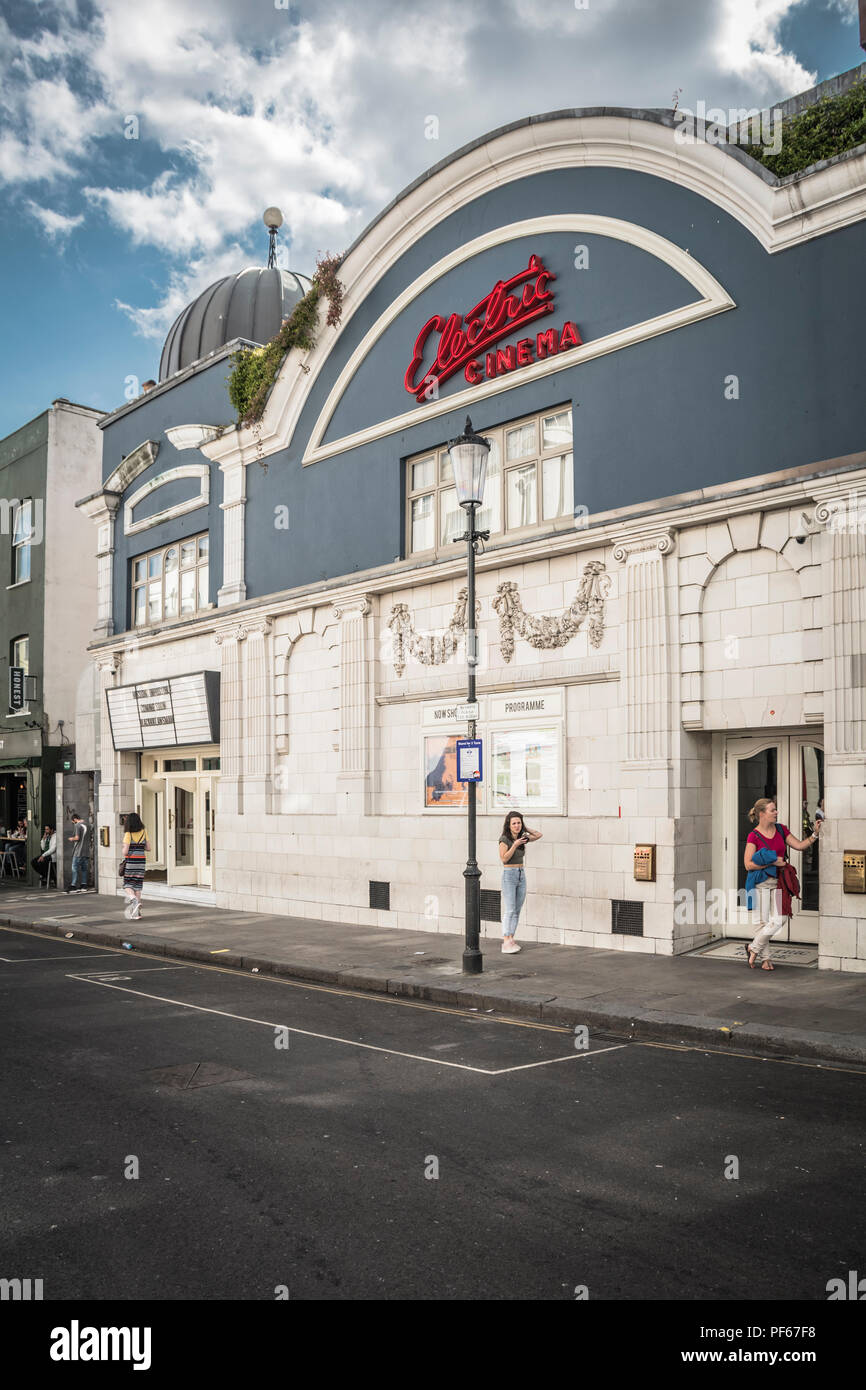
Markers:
(464, 339)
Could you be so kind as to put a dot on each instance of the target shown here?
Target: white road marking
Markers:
(524, 1066)
(28, 960)
(329, 1037)
(116, 975)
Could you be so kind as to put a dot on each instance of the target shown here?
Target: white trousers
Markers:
(767, 917)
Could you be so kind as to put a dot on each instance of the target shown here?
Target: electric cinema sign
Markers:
(447, 344)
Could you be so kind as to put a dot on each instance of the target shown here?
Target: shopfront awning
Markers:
(16, 764)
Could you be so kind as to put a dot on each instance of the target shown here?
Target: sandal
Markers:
(768, 965)
(753, 956)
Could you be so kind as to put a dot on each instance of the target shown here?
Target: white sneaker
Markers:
(127, 911)
(511, 950)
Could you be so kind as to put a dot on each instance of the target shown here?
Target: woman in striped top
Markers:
(135, 846)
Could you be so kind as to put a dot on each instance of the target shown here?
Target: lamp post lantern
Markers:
(469, 460)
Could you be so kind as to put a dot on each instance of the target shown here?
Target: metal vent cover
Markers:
(491, 905)
(626, 918)
(380, 895)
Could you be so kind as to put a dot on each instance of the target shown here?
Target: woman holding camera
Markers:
(512, 848)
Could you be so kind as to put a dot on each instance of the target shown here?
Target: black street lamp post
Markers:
(469, 459)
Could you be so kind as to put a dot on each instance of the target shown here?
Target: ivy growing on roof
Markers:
(830, 127)
(254, 370)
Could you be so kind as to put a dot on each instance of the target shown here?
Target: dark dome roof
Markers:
(251, 304)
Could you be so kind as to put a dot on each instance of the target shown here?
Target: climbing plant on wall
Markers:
(254, 370)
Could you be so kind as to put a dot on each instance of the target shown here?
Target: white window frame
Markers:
(545, 722)
(433, 723)
(171, 475)
(26, 543)
(145, 583)
(499, 433)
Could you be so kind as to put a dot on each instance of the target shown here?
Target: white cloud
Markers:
(55, 225)
(325, 114)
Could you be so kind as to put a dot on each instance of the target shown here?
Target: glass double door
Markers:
(181, 808)
(790, 770)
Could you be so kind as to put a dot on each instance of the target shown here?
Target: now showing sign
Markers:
(167, 713)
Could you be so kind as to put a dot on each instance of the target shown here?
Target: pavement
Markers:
(789, 1012)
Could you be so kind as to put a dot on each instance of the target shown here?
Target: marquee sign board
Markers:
(167, 713)
(463, 340)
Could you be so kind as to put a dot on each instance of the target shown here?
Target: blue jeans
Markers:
(513, 897)
(79, 867)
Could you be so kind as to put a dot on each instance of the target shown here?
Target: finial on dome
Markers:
(273, 220)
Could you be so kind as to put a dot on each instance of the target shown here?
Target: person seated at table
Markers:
(48, 848)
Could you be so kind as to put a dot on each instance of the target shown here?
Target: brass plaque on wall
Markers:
(645, 863)
(854, 871)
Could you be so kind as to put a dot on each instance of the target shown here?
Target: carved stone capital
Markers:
(109, 662)
(239, 632)
(661, 539)
(358, 606)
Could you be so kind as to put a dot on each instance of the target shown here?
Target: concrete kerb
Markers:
(622, 1021)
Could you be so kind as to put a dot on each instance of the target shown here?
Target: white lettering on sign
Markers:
(165, 713)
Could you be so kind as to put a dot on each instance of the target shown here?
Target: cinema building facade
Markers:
(663, 343)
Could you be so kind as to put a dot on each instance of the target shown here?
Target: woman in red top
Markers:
(768, 835)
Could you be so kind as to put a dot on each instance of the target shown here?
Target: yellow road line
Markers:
(748, 1056)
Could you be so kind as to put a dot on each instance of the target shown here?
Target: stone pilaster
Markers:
(646, 650)
(233, 506)
(841, 510)
(256, 743)
(230, 794)
(102, 510)
(117, 777)
(647, 793)
(356, 703)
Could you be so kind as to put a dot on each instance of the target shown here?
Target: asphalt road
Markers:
(289, 1137)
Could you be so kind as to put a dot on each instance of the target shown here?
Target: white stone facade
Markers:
(718, 622)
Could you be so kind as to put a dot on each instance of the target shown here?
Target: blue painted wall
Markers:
(199, 399)
(651, 420)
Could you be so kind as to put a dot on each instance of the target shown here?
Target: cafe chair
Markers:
(9, 863)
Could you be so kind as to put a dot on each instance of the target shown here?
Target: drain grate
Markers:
(190, 1075)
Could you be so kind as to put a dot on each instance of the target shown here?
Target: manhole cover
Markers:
(189, 1075)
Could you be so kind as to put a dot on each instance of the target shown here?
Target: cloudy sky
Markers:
(141, 142)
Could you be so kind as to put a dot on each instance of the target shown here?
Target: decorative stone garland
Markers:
(429, 648)
(546, 631)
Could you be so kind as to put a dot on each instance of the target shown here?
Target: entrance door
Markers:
(790, 769)
(207, 798)
(150, 805)
(182, 830)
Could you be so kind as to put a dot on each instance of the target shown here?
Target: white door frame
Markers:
(803, 925)
(155, 825)
(178, 874)
(207, 783)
